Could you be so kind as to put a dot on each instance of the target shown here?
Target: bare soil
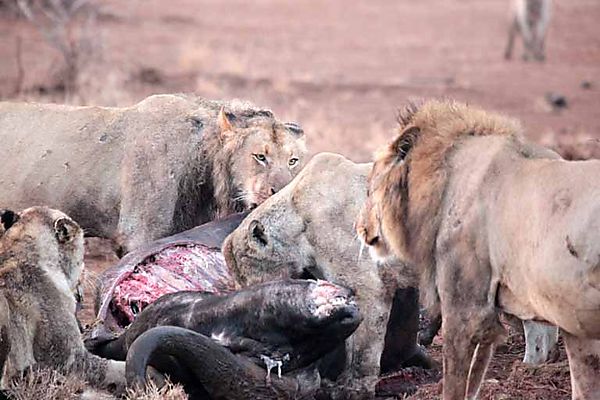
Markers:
(339, 68)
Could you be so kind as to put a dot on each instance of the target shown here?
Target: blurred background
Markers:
(340, 68)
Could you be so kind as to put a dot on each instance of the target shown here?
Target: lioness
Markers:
(135, 174)
(493, 223)
(307, 230)
(41, 260)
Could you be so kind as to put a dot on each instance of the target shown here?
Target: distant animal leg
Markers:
(541, 29)
(584, 365)
(512, 33)
(542, 49)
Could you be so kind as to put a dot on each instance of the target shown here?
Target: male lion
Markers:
(307, 230)
(41, 260)
(493, 224)
(135, 174)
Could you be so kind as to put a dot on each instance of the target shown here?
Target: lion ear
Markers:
(294, 128)
(65, 230)
(257, 233)
(8, 218)
(405, 141)
(224, 123)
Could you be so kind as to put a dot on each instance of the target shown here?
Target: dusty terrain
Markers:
(340, 69)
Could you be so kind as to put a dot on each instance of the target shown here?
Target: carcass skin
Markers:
(210, 275)
(261, 342)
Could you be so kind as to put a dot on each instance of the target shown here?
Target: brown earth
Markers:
(339, 68)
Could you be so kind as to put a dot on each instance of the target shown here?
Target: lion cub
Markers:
(529, 18)
(41, 261)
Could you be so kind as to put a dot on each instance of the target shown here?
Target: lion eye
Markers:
(293, 161)
(260, 158)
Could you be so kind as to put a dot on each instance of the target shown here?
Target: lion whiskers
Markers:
(361, 248)
(244, 197)
(90, 279)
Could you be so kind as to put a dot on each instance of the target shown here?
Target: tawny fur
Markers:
(427, 135)
(309, 225)
(41, 259)
(492, 223)
(138, 173)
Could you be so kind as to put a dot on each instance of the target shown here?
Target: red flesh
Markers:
(174, 268)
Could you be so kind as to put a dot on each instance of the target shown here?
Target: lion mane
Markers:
(211, 179)
(416, 175)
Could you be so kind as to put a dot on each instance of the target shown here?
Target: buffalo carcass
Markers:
(190, 260)
(226, 346)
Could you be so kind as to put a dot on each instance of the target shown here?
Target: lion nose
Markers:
(373, 240)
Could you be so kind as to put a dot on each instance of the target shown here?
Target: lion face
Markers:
(267, 156)
(368, 227)
(260, 252)
(379, 223)
(59, 240)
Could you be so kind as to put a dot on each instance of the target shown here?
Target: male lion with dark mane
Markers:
(138, 173)
(492, 223)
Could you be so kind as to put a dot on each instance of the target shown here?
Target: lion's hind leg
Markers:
(584, 365)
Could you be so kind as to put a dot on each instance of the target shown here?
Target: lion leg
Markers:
(401, 348)
(99, 372)
(365, 346)
(457, 355)
(467, 293)
(481, 360)
(584, 365)
(469, 339)
(427, 335)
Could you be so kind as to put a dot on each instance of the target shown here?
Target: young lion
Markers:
(41, 260)
(529, 18)
(139, 173)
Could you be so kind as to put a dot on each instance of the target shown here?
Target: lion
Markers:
(139, 173)
(307, 231)
(492, 223)
(41, 260)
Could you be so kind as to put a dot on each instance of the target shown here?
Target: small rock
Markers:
(556, 100)
(586, 85)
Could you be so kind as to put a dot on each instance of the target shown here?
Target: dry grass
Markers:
(48, 384)
(44, 384)
(151, 392)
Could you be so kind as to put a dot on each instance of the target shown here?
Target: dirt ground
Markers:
(339, 68)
